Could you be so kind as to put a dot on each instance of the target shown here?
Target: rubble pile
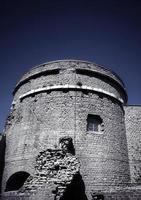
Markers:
(54, 167)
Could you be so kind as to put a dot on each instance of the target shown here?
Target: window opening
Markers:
(94, 123)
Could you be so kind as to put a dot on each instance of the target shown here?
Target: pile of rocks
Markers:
(53, 167)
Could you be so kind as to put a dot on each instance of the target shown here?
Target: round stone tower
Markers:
(69, 98)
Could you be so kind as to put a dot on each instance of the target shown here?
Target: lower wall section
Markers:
(126, 194)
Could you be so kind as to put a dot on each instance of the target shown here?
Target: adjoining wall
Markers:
(2, 154)
(133, 132)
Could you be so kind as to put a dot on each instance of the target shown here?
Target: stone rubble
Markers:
(53, 166)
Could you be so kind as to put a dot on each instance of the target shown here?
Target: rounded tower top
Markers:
(75, 66)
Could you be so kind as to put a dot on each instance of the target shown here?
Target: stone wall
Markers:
(54, 169)
(2, 153)
(133, 132)
(70, 72)
(39, 118)
(53, 67)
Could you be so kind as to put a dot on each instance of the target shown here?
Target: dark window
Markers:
(16, 181)
(94, 123)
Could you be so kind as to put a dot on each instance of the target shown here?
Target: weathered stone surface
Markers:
(54, 168)
(53, 101)
(2, 153)
(133, 132)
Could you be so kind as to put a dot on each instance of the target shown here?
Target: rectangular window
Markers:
(94, 123)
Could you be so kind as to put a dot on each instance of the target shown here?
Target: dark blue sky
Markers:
(107, 32)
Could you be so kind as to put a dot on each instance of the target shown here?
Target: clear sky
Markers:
(107, 32)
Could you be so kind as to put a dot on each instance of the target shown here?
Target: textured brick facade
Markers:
(53, 101)
(133, 130)
(2, 153)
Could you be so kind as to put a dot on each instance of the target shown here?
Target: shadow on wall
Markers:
(76, 190)
(2, 155)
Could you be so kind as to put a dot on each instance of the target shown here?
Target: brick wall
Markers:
(133, 132)
(2, 152)
(38, 120)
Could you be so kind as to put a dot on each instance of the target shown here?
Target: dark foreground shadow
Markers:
(76, 190)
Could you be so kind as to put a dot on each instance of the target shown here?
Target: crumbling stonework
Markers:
(55, 168)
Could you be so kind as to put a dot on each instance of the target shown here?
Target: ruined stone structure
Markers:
(71, 136)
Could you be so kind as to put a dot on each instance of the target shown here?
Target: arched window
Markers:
(94, 123)
(16, 181)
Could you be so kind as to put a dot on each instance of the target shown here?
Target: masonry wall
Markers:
(40, 117)
(133, 132)
(2, 153)
(55, 73)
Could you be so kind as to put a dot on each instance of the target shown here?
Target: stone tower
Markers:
(68, 99)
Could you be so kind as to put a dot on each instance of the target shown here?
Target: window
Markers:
(16, 181)
(94, 123)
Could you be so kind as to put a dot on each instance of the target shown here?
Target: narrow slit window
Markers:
(94, 123)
